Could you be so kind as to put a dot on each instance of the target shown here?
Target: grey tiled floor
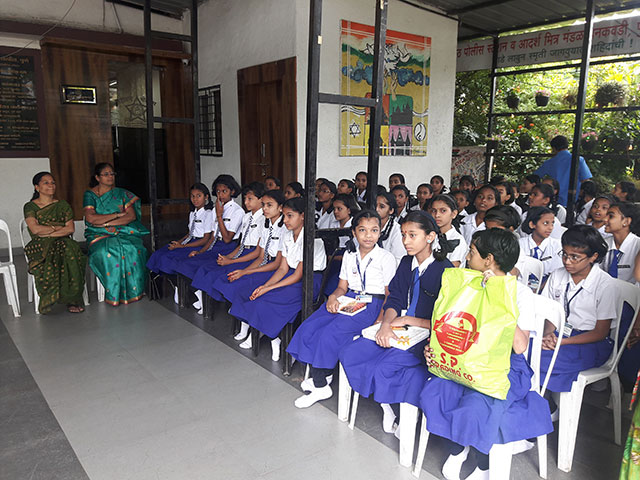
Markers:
(148, 391)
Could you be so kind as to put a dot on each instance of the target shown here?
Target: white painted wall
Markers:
(401, 17)
(233, 35)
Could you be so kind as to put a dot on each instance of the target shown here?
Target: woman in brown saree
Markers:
(55, 259)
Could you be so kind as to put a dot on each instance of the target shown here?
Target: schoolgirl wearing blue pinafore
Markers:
(270, 312)
(592, 299)
(470, 418)
(207, 274)
(390, 374)
(232, 216)
(200, 224)
(320, 338)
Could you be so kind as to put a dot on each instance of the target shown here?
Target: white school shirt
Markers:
(421, 267)
(277, 234)
(595, 299)
(362, 197)
(326, 220)
(232, 215)
(549, 254)
(460, 252)
(626, 258)
(516, 207)
(525, 300)
(393, 243)
(403, 213)
(562, 214)
(469, 227)
(292, 250)
(377, 268)
(581, 219)
(342, 241)
(251, 229)
(604, 234)
(557, 231)
(200, 222)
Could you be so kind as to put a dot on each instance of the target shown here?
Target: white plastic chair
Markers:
(8, 272)
(531, 266)
(32, 291)
(571, 402)
(500, 455)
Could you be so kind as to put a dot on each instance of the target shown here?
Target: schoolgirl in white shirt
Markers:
(542, 195)
(589, 298)
(200, 227)
(505, 217)
(361, 186)
(539, 244)
(401, 193)
(598, 213)
(444, 210)
(326, 192)
(364, 276)
(622, 220)
(486, 197)
(277, 302)
(508, 195)
(344, 207)
(424, 194)
(390, 235)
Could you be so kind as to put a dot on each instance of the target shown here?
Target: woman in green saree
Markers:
(55, 259)
(114, 236)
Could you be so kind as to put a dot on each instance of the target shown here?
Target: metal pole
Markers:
(488, 162)
(151, 147)
(311, 147)
(582, 89)
(377, 93)
(194, 80)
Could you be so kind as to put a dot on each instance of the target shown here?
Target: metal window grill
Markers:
(210, 121)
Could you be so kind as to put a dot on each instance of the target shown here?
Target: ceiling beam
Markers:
(477, 6)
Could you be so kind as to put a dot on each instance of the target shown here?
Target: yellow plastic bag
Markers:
(472, 330)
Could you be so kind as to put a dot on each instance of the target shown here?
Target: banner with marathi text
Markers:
(610, 37)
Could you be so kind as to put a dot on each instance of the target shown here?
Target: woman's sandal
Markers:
(75, 309)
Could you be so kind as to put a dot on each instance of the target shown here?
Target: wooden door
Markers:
(267, 113)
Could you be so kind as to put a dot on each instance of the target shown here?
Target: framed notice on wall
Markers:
(22, 121)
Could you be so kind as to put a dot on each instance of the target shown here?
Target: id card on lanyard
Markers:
(363, 297)
(568, 328)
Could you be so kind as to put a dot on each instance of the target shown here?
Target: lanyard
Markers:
(567, 301)
(363, 274)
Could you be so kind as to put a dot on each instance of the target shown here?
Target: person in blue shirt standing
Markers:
(559, 167)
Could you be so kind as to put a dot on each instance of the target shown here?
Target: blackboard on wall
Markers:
(22, 125)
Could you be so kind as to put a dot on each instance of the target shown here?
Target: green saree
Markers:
(56, 263)
(116, 254)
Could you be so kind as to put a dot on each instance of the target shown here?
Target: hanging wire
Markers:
(55, 25)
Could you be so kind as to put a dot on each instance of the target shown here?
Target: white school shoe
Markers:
(308, 385)
(452, 467)
(275, 349)
(389, 424)
(247, 344)
(316, 395)
(478, 474)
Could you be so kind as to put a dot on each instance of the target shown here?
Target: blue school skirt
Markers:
(273, 310)
(390, 374)
(320, 337)
(189, 266)
(470, 418)
(161, 261)
(240, 290)
(571, 360)
(209, 273)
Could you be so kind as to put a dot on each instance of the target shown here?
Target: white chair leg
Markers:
(14, 281)
(100, 289)
(570, 405)
(344, 394)
(542, 456)
(36, 299)
(500, 462)
(92, 277)
(422, 447)
(85, 295)
(616, 399)
(30, 284)
(11, 293)
(307, 371)
(354, 410)
(408, 420)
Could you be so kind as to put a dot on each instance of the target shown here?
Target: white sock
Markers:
(244, 330)
(388, 418)
(247, 343)
(479, 474)
(175, 295)
(453, 465)
(198, 303)
(275, 349)
(316, 395)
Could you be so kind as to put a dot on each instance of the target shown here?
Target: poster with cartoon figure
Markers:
(407, 63)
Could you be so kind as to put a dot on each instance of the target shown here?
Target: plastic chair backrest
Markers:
(545, 309)
(5, 228)
(24, 228)
(532, 266)
(630, 294)
(78, 233)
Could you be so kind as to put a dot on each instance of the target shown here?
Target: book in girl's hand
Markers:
(349, 306)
